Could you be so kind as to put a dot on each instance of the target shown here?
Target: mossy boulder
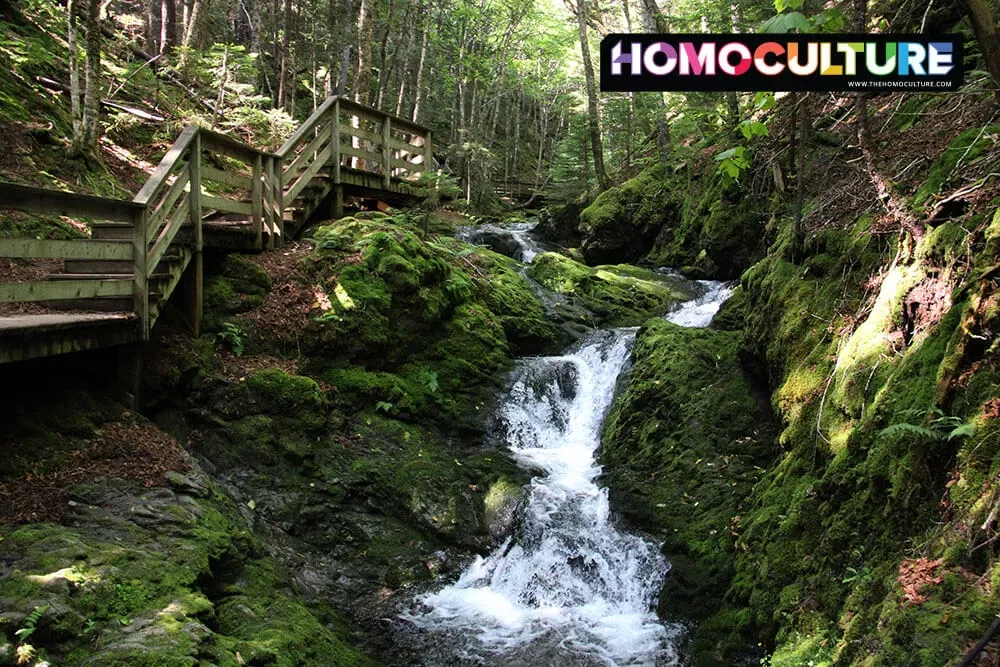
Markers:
(682, 447)
(560, 224)
(622, 223)
(616, 295)
(718, 235)
(237, 286)
(439, 316)
(144, 576)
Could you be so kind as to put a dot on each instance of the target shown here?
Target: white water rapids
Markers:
(569, 587)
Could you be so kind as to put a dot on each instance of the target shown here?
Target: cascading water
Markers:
(698, 312)
(568, 588)
(512, 240)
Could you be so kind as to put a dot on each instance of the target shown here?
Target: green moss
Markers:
(963, 149)
(617, 295)
(238, 286)
(622, 222)
(135, 587)
(682, 447)
(284, 392)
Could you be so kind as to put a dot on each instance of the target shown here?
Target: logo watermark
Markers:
(745, 62)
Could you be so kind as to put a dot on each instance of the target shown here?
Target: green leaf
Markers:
(726, 154)
(785, 23)
(908, 428)
(384, 406)
(963, 431)
(782, 5)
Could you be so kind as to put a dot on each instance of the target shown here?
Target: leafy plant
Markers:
(429, 379)
(732, 163)
(25, 651)
(232, 337)
(384, 406)
(942, 428)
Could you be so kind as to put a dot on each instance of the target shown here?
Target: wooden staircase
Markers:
(140, 251)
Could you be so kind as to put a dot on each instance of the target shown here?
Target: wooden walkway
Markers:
(209, 191)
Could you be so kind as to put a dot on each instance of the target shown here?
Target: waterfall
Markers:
(569, 587)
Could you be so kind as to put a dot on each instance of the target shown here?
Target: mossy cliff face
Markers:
(149, 573)
(871, 376)
(683, 218)
(683, 446)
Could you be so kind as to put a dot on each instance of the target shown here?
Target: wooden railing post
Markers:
(270, 221)
(335, 139)
(278, 237)
(194, 215)
(256, 200)
(140, 273)
(386, 152)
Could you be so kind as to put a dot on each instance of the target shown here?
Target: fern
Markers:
(30, 622)
(963, 431)
(942, 428)
(908, 428)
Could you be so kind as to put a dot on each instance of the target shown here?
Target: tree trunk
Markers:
(383, 65)
(284, 70)
(154, 25)
(85, 119)
(345, 55)
(418, 82)
(194, 35)
(362, 83)
(985, 27)
(401, 72)
(169, 37)
(92, 90)
(593, 110)
(75, 94)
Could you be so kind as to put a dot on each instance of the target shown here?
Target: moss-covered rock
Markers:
(616, 295)
(622, 223)
(236, 286)
(683, 446)
(155, 577)
(560, 224)
(718, 235)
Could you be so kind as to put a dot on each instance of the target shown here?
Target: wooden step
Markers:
(92, 266)
(101, 276)
(112, 231)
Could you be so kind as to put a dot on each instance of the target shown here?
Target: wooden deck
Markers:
(25, 337)
(141, 249)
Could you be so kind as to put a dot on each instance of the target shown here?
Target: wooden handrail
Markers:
(172, 198)
(307, 126)
(159, 178)
(32, 199)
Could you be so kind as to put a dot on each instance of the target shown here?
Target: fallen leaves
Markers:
(915, 574)
(124, 449)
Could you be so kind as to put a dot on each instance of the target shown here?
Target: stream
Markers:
(568, 587)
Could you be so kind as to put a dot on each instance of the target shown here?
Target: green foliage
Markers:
(732, 162)
(231, 336)
(940, 428)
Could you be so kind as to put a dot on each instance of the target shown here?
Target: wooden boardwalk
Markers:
(209, 191)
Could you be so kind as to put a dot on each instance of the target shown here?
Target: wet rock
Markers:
(186, 484)
(616, 295)
(560, 224)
